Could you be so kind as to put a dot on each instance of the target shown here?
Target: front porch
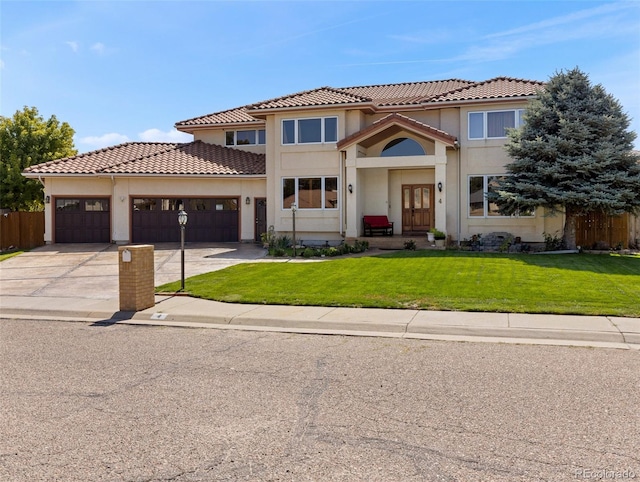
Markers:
(396, 167)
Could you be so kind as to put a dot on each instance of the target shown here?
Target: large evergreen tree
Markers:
(574, 155)
(27, 139)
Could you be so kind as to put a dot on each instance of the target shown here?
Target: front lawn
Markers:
(9, 254)
(437, 280)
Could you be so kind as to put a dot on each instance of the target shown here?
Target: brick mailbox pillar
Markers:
(137, 285)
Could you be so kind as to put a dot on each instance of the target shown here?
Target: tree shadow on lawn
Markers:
(611, 264)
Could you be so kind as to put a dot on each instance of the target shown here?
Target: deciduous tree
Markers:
(27, 139)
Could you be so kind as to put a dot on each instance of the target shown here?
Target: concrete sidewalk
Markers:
(80, 282)
(184, 311)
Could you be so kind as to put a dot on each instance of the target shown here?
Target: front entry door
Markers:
(417, 208)
(261, 217)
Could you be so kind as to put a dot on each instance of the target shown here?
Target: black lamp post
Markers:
(182, 221)
(294, 207)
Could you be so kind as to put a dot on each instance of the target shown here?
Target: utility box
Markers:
(137, 283)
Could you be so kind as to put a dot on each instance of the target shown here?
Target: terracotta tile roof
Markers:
(377, 96)
(407, 93)
(498, 88)
(231, 116)
(140, 158)
(397, 119)
(316, 97)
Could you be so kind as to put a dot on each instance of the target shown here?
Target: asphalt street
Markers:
(88, 402)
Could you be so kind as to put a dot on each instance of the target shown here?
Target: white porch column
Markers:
(441, 197)
(351, 199)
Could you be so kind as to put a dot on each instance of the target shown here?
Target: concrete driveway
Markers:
(91, 270)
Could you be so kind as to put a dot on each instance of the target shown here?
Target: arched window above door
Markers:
(402, 146)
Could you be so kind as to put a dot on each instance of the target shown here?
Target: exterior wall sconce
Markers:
(47, 199)
(247, 200)
(440, 187)
(350, 188)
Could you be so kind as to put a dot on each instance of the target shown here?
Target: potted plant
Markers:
(437, 236)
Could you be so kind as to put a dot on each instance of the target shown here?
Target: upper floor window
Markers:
(310, 131)
(245, 138)
(493, 124)
(402, 147)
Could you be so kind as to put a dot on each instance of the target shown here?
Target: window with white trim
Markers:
(310, 192)
(250, 137)
(494, 124)
(315, 130)
(479, 205)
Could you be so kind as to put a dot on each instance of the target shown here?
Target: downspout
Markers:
(456, 144)
(343, 208)
(112, 208)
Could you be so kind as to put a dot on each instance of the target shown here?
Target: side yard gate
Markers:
(24, 230)
(598, 230)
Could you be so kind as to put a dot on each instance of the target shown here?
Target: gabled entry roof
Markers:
(153, 158)
(392, 124)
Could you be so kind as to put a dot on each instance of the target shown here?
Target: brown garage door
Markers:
(155, 220)
(82, 220)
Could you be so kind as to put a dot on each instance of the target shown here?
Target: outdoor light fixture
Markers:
(440, 186)
(182, 221)
(47, 199)
(247, 200)
(350, 188)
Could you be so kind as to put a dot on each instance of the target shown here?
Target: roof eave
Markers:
(262, 113)
(218, 125)
(108, 175)
(456, 103)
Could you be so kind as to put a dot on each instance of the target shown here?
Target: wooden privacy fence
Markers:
(598, 230)
(24, 230)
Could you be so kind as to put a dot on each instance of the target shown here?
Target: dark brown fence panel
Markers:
(598, 230)
(23, 230)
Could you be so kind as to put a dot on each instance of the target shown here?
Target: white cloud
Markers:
(98, 47)
(156, 135)
(105, 140)
(73, 45)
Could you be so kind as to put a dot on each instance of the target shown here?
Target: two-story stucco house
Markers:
(422, 153)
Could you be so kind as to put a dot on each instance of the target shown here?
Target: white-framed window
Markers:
(310, 192)
(313, 130)
(493, 124)
(249, 137)
(479, 206)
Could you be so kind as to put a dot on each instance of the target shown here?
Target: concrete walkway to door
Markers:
(91, 270)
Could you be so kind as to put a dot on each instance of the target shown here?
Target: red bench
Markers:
(377, 224)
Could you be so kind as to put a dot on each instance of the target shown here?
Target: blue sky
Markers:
(120, 71)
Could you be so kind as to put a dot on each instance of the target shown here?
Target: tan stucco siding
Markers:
(302, 160)
(122, 190)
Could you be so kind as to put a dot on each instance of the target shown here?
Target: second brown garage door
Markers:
(155, 220)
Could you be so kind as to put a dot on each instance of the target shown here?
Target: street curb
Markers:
(408, 330)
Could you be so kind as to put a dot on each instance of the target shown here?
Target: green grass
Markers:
(11, 254)
(437, 280)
